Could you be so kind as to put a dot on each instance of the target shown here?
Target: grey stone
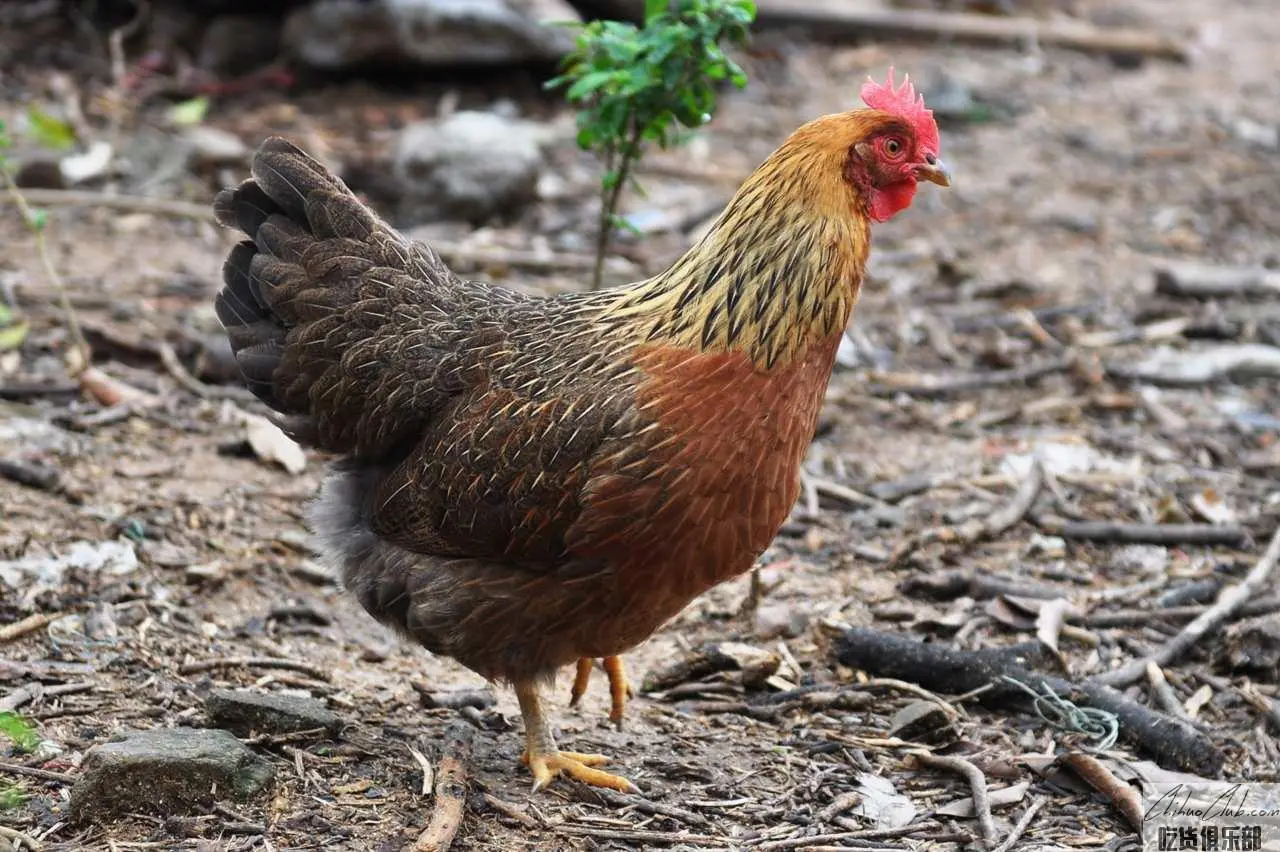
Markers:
(780, 620)
(244, 711)
(345, 33)
(471, 166)
(166, 771)
(212, 146)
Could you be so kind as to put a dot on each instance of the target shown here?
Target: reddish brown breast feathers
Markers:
(703, 494)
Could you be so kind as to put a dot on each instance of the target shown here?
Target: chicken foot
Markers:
(544, 758)
(619, 686)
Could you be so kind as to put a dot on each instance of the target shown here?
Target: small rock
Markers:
(244, 710)
(785, 620)
(336, 34)
(210, 146)
(471, 166)
(1254, 646)
(166, 771)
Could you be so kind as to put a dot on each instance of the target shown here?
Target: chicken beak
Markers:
(935, 172)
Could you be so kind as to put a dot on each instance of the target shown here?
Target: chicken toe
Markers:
(546, 761)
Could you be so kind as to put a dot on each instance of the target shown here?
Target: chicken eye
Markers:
(893, 147)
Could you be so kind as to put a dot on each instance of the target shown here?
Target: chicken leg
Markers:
(619, 687)
(546, 761)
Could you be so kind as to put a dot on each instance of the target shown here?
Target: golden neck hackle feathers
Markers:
(779, 271)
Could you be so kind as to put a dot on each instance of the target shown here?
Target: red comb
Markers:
(903, 101)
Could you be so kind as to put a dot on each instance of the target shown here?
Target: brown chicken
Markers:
(528, 483)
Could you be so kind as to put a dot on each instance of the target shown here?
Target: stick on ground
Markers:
(1209, 622)
(979, 529)
(451, 791)
(1122, 796)
(942, 668)
(977, 784)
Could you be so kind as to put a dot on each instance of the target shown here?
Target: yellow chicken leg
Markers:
(546, 761)
(619, 687)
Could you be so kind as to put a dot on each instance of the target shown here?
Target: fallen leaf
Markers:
(270, 444)
(882, 805)
(1049, 622)
(963, 808)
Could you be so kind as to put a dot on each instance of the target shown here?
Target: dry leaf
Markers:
(1049, 623)
(963, 808)
(270, 444)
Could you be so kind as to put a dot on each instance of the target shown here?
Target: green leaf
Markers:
(11, 336)
(18, 729)
(189, 112)
(11, 796)
(49, 131)
(38, 219)
(654, 9)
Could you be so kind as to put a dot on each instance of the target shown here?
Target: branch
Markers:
(1229, 602)
(451, 791)
(946, 669)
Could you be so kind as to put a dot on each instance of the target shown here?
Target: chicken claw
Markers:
(546, 767)
(544, 758)
(619, 686)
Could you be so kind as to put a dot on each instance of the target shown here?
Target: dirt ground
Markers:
(1081, 180)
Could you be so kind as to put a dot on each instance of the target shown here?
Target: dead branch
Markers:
(952, 671)
(24, 839)
(979, 529)
(977, 785)
(123, 203)
(1200, 281)
(1099, 777)
(1021, 828)
(1210, 621)
(864, 834)
(173, 365)
(254, 662)
(1162, 692)
(936, 385)
(1137, 617)
(30, 624)
(35, 772)
(451, 791)
(1109, 532)
(843, 20)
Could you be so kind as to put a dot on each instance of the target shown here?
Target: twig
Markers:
(838, 20)
(25, 839)
(669, 838)
(27, 625)
(1162, 692)
(510, 811)
(41, 477)
(180, 374)
(23, 695)
(34, 772)
(952, 671)
(977, 784)
(980, 529)
(1122, 796)
(812, 840)
(643, 805)
(451, 791)
(836, 491)
(1137, 617)
(124, 203)
(1021, 828)
(1109, 532)
(37, 230)
(1199, 281)
(1210, 621)
(254, 662)
(916, 384)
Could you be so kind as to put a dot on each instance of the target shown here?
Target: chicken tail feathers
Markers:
(308, 298)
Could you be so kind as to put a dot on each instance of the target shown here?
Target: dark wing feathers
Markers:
(474, 411)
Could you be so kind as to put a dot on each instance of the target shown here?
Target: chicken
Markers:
(526, 483)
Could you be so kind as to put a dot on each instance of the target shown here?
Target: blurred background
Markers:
(1097, 298)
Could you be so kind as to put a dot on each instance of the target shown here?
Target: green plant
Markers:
(24, 738)
(640, 85)
(37, 221)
